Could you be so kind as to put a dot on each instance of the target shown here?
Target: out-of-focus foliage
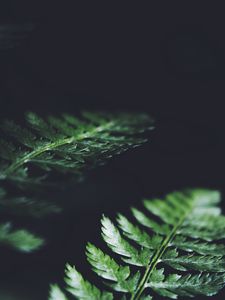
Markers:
(19, 239)
(184, 235)
(25, 206)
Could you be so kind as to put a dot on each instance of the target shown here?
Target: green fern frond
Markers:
(66, 144)
(175, 250)
(21, 239)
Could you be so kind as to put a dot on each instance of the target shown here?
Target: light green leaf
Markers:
(198, 246)
(119, 245)
(56, 293)
(105, 266)
(82, 289)
(21, 239)
(136, 234)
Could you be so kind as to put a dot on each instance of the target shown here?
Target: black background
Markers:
(165, 59)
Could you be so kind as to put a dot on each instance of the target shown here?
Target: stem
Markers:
(157, 256)
(27, 157)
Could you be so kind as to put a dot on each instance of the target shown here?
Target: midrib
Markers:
(28, 157)
(158, 255)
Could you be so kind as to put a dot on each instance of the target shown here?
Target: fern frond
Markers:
(182, 232)
(21, 239)
(67, 144)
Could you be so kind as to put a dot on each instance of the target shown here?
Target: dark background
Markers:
(166, 60)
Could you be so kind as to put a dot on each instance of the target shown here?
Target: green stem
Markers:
(27, 157)
(157, 256)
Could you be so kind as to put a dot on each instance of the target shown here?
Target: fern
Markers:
(66, 144)
(56, 293)
(21, 239)
(61, 144)
(175, 250)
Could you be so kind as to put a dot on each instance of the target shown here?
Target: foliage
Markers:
(32, 153)
(26, 206)
(56, 293)
(174, 250)
(21, 239)
(66, 144)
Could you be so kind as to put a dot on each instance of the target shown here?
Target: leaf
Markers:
(199, 246)
(105, 266)
(56, 293)
(203, 263)
(82, 289)
(166, 236)
(21, 239)
(189, 285)
(119, 245)
(136, 234)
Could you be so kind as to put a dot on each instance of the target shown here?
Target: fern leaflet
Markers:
(175, 250)
(19, 239)
(56, 293)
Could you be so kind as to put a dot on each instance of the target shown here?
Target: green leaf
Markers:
(119, 245)
(203, 263)
(82, 289)
(56, 293)
(21, 239)
(145, 221)
(105, 266)
(190, 285)
(199, 246)
(136, 234)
